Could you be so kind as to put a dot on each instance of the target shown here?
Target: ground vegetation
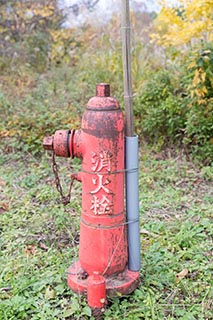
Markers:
(47, 75)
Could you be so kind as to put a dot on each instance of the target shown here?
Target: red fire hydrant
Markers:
(102, 266)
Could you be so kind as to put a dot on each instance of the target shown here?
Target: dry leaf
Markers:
(181, 275)
(4, 206)
(144, 231)
(2, 183)
(29, 250)
(42, 246)
(5, 289)
(49, 293)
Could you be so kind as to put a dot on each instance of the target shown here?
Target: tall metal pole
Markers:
(131, 152)
(126, 54)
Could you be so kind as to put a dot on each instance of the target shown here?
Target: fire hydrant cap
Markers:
(103, 90)
(61, 143)
(102, 101)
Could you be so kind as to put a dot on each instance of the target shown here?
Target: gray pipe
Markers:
(132, 203)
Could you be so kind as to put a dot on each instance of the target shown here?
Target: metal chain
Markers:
(64, 199)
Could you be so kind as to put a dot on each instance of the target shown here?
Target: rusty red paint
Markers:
(103, 242)
(103, 90)
(116, 284)
(60, 143)
(96, 291)
(102, 230)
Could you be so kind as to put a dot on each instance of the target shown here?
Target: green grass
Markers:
(39, 240)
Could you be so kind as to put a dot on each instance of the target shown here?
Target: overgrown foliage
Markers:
(47, 66)
(186, 34)
(175, 105)
(47, 76)
(31, 35)
(189, 22)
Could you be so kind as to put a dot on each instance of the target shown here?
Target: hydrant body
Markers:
(103, 241)
(100, 143)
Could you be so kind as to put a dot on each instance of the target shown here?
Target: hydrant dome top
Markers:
(102, 101)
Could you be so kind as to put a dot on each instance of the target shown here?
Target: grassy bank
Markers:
(39, 240)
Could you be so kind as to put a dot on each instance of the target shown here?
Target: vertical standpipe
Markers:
(132, 203)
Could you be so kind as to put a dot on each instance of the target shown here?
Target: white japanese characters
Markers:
(101, 201)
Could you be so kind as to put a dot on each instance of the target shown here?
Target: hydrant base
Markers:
(116, 284)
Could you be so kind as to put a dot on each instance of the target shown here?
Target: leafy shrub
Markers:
(199, 131)
(188, 32)
(160, 109)
(40, 112)
(172, 99)
(199, 124)
(31, 35)
(174, 104)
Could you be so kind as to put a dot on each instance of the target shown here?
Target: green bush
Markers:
(160, 109)
(199, 131)
(53, 73)
(174, 105)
